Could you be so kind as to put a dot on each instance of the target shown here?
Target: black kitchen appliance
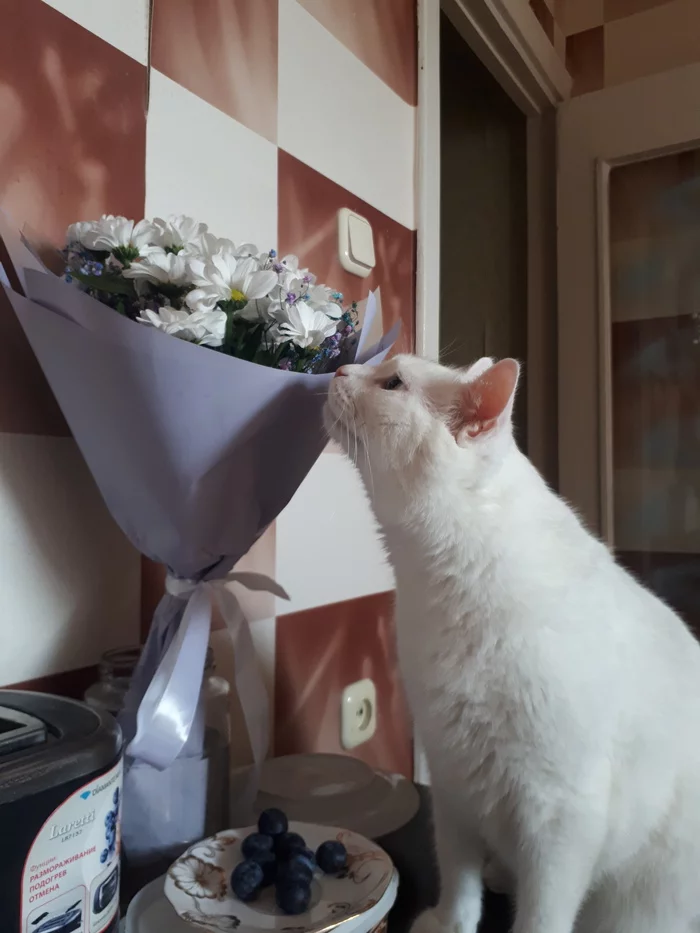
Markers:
(60, 803)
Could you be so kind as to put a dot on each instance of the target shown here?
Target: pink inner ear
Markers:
(486, 398)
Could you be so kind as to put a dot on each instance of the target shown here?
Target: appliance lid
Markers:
(46, 741)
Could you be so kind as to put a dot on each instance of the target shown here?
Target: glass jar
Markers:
(116, 670)
(201, 771)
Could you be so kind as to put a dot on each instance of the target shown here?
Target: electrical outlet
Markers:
(358, 714)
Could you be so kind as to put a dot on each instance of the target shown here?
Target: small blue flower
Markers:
(291, 298)
(272, 253)
(337, 296)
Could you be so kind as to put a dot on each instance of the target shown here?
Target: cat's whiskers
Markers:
(367, 458)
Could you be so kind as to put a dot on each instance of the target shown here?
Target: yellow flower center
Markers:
(237, 296)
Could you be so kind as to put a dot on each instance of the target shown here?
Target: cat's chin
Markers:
(339, 432)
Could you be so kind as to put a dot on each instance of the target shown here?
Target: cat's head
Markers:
(408, 414)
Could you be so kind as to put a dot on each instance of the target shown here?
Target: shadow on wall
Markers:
(308, 227)
(321, 651)
(74, 123)
(225, 52)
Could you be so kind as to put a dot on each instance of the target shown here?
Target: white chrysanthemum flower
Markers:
(292, 290)
(118, 235)
(248, 251)
(226, 278)
(304, 326)
(78, 231)
(179, 232)
(290, 275)
(290, 264)
(258, 311)
(320, 299)
(160, 267)
(206, 328)
(210, 245)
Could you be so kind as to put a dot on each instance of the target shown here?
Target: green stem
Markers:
(228, 333)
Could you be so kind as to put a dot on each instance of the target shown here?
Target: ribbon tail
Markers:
(166, 716)
(258, 582)
(252, 694)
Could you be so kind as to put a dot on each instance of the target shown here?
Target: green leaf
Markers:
(111, 284)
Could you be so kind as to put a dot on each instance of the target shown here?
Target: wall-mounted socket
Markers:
(358, 714)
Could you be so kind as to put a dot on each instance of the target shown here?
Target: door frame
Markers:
(508, 39)
(643, 119)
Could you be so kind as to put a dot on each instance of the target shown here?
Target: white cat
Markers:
(557, 699)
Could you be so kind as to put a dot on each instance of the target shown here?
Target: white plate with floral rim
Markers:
(197, 885)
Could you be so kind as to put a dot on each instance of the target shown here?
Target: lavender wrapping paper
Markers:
(195, 454)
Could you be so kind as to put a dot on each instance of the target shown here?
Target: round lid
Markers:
(337, 791)
(300, 777)
(47, 741)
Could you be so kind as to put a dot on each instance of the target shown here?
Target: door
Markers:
(629, 352)
(483, 216)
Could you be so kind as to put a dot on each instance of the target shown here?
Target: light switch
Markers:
(356, 243)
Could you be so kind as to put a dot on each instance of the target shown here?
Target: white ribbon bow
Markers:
(166, 713)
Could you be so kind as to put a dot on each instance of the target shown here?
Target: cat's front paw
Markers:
(433, 922)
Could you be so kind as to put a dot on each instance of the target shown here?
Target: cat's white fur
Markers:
(557, 699)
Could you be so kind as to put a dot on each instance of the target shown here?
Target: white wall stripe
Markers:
(337, 556)
(338, 117)
(202, 162)
(70, 582)
(122, 23)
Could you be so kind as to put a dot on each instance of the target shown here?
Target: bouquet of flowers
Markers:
(176, 276)
(196, 445)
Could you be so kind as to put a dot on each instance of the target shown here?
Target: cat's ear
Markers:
(485, 403)
(477, 369)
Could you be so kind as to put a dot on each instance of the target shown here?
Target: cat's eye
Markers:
(393, 383)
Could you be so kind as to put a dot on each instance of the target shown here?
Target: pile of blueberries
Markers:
(111, 829)
(273, 855)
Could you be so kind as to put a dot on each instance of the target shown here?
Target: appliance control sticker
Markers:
(70, 882)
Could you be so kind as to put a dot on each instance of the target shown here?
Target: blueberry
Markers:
(246, 880)
(110, 819)
(296, 869)
(293, 897)
(288, 844)
(104, 856)
(273, 822)
(268, 863)
(256, 844)
(308, 857)
(115, 797)
(332, 857)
